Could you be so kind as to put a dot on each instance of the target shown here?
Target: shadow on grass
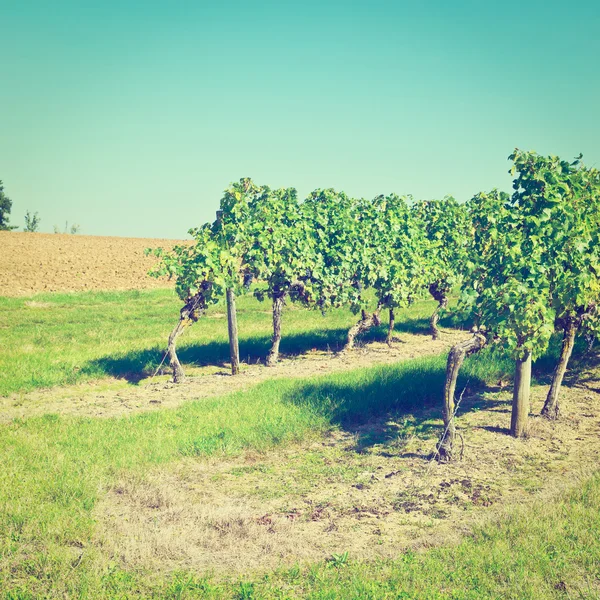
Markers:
(140, 364)
(381, 405)
(137, 365)
(495, 429)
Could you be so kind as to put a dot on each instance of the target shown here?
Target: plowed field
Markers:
(51, 262)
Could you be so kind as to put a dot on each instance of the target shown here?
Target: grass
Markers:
(58, 339)
(53, 469)
(548, 551)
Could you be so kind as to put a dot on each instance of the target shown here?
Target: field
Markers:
(311, 479)
(40, 262)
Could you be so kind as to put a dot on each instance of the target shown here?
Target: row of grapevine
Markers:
(533, 269)
(528, 264)
(323, 252)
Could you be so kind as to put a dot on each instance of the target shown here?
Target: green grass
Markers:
(53, 469)
(57, 339)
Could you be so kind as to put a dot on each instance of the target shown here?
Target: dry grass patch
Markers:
(372, 491)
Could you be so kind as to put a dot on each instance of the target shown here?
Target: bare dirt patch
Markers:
(110, 398)
(42, 262)
(313, 501)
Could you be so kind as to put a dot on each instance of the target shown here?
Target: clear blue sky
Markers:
(130, 118)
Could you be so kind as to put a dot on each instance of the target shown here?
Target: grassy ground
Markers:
(57, 339)
(548, 551)
(55, 471)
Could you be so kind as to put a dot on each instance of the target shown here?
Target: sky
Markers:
(130, 118)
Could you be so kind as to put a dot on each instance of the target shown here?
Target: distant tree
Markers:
(73, 229)
(32, 222)
(5, 206)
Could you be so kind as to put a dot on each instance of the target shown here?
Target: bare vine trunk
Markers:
(187, 315)
(390, 334)
(458, 353)
(178, 374)
(234, 346)
(521, 391)
(442, 301)
(273, 357)
(551, 408)
(367, 321)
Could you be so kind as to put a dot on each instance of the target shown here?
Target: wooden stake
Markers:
(234, 346)
(520, 406)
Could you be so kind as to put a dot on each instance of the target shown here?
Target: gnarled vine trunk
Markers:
(189, 313)
(551, 408)
(442, 299)
(178, 374)
(458, 353)
(278, 304)
(367, 321)
(390, 335)
(521, 392)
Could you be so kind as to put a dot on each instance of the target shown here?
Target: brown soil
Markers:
(110, 398)
(315, 500)
(42, 262)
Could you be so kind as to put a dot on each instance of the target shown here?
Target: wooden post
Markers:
(520, 406)
(390, 335)
(234, 346)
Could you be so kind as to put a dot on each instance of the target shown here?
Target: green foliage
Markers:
(570, 230)
(32, 222)
(232, 230)
(333, 220)
(5, 208)
(446, 228)
(534, 256)
(215, 261)
(487, 212)
(280, 249)
(514, 288)
(393, 260)
(525, 259)
(324, 251)
(197, 268)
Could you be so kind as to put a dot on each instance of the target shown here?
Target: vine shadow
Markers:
(137, 365)
(380, 408)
